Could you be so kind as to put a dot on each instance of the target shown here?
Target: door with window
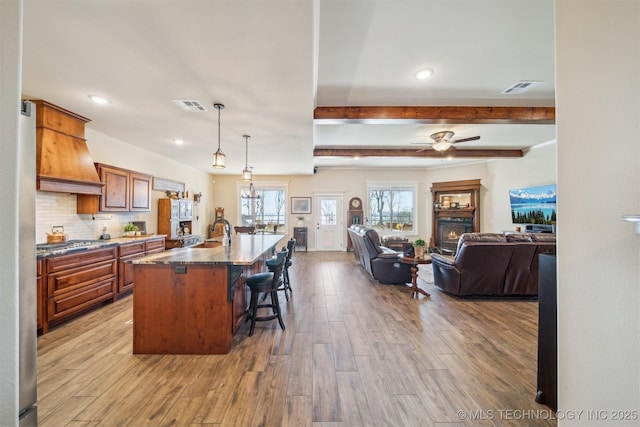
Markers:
(329, 218)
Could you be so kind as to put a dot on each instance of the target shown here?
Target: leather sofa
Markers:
(379, 261)
(493, 264)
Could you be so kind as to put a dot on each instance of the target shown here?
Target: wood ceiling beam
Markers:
(440, 115)
(429, 153)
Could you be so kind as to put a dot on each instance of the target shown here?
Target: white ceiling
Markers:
(271, 62)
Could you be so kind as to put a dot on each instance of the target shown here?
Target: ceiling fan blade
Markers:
(423, 149)
(472, 138)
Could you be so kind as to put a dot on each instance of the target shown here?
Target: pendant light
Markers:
(246, 172)
(219, 158)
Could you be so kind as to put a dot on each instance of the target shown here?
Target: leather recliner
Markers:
(379, 261)
(493, 264)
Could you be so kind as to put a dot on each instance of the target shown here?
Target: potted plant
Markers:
(300, 221)
(419, 246)
(130, 229)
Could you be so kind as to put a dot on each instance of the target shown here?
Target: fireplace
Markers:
(450, 229)
(456, 210)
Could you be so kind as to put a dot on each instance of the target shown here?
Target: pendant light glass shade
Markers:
(246, 172)
(219, 158)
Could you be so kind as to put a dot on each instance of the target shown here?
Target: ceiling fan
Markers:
(442, 141)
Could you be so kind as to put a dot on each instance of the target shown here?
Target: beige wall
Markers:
(497, 177)
(598, 105)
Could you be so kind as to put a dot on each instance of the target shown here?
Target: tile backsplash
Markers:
(53, 209)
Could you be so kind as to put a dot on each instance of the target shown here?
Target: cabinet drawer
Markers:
(131, 249)
(69, 303)
(155, 244)
(77, 278)
(155, 251)
(78, 259)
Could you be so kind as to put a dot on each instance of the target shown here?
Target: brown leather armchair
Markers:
(379, 261)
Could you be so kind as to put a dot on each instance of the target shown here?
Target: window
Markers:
(267, 205)
(329, 212)
(393, 207)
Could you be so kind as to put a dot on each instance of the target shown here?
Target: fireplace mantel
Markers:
(455, 204)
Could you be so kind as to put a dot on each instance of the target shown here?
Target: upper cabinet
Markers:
(123, 191)
(140, 186)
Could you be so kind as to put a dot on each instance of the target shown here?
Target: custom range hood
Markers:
(63, 162)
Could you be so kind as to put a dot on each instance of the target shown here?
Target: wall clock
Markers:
(355, 203)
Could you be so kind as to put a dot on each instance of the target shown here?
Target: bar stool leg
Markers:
(276, 305)
(253, 311)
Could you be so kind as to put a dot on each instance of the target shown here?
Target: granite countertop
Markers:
(44, 250)
(245, 249)
(125, 240)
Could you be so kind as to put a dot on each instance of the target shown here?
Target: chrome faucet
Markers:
(227, 229)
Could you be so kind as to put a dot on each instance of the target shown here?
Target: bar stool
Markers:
(267, 283)
(286, 282)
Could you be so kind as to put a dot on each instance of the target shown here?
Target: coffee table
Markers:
(414, 262)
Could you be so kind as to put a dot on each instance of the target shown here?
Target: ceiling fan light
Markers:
(442, 145)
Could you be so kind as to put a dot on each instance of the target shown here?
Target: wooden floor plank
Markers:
(355, 353)
(325, 399)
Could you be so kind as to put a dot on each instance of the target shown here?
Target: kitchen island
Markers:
(193, 300)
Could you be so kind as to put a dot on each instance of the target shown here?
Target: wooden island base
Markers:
(193, 300)
(177, 313)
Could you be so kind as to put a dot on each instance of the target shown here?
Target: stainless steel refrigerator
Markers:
(28, 347)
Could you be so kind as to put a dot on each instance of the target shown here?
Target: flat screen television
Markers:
(533, 205)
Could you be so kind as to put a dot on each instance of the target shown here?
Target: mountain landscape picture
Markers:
(533, 205)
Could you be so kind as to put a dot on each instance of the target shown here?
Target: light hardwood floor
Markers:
(355, 353)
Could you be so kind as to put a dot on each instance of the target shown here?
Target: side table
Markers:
(414, 262)
(300, 236)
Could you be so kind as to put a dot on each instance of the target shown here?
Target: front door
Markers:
(329, 219)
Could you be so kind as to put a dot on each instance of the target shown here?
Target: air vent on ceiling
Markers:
(521, 86)
(189, 105)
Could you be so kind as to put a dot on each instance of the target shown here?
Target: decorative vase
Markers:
(418, 251)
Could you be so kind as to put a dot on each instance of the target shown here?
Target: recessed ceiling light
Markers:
(178, 141)
(423, 74)
(99, 100)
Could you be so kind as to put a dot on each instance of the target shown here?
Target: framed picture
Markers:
(301, 205)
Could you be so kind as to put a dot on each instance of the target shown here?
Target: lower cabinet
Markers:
(39, 294)
(78, 281)
(73, 283)
(131, 251)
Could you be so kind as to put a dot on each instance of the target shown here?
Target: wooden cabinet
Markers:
(39, 287)
(131, 251)
(79, 281)
(140, 186)
(175, 221)
(123, 191)
(127, 252)
(115, 195)
(300, 236)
